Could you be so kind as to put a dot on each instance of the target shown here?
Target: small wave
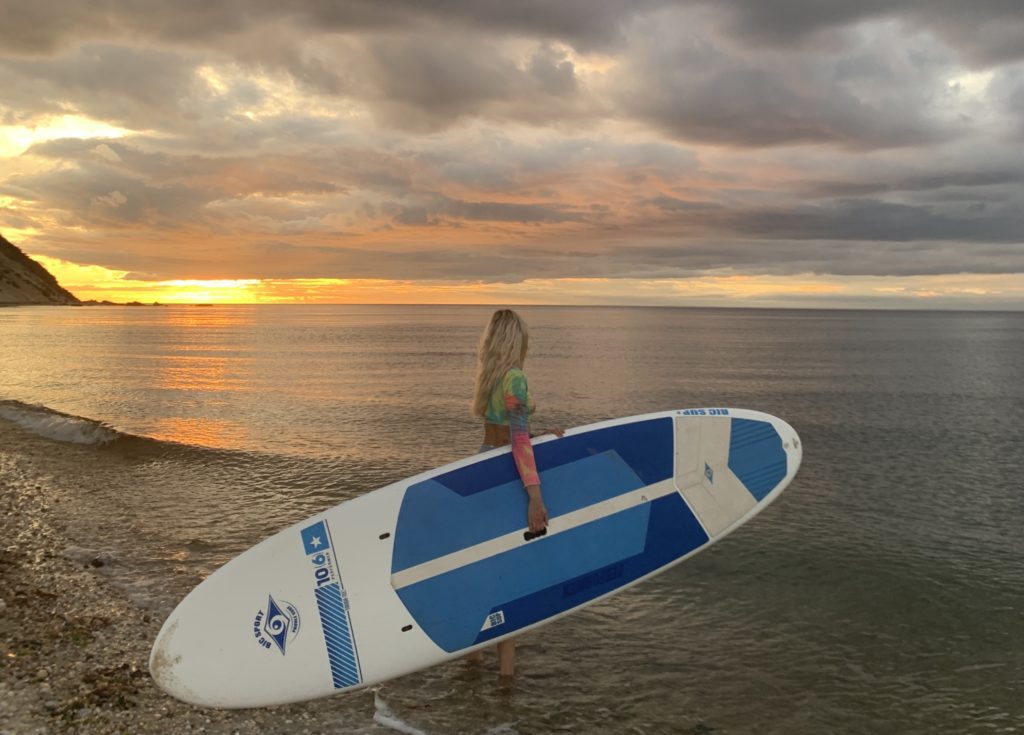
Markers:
(58, 426)
(386, 718)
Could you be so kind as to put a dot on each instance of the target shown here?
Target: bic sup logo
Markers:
(277, 625)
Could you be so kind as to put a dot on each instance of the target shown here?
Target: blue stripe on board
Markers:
(646, 446)
(337, 636)
(673, 532)
(435, 521)
(451, 607)
(756, 456)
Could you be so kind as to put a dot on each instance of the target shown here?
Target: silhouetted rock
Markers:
(24, 281)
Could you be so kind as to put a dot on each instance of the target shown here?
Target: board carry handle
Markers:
(530, 535)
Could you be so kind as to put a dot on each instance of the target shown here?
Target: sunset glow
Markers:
(16, 139)
(100, 284)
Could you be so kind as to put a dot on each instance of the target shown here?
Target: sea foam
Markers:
(386, 718)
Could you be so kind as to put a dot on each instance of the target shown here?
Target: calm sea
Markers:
(882, 593)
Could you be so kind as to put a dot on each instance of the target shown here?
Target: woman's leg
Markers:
(507, 657)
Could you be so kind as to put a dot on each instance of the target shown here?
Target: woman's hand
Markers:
(556, 430)
(536, 514)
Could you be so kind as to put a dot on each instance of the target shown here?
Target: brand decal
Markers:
(332, 604)
(316, 541)
(705, 412)
(709, 473)
(277, 625)
(494, 620)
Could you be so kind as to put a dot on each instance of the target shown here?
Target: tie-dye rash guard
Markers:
(510, 405)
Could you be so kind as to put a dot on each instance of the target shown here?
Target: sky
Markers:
(786, 153)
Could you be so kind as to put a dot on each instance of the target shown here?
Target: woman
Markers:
(502, 399)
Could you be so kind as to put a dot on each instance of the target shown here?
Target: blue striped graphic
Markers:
(756, 456)
(338, 636)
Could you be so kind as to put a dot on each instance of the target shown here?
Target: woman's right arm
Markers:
(516, 404)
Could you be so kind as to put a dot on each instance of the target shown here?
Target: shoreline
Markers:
(73, 645)
(75, 648)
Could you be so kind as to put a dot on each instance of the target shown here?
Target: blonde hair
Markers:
(503, 346)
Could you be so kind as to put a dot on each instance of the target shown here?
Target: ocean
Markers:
(882, 593)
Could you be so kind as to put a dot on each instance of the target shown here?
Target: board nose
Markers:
(163, 660)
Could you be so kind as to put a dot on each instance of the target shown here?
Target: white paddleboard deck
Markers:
(432, 567)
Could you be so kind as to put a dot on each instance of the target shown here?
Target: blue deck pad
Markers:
(547, 577)
(476, 503)
(451, 607)
(646, 446)
(434, 520)
(673, 532)
(756, 456)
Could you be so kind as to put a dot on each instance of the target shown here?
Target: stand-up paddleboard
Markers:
(432, 567)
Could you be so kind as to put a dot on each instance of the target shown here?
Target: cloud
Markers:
(871, 89)
(993, 34)
(487, 141)
(113, 200)
(33, 29)
(101, 197)
(107, 153)
(138, 88)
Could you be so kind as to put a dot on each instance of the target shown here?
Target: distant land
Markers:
(23, 281)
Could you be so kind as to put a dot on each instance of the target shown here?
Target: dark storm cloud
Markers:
(479, 211)
(985, 32)
(869, 91)
(843, 258)
(753, 107)
(992, 31)
(1007, 93)
(955, 179)
(122, 85)
(425, 66)
(879, 221)
(416, 82)
(102, 197)
(32, 28)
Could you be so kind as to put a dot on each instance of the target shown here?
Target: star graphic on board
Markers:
(315, 543)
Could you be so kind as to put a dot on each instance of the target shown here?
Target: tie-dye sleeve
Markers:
(517, 406)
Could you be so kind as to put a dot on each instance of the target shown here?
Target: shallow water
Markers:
(882, 593)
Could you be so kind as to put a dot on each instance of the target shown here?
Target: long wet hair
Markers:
(503, 346)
